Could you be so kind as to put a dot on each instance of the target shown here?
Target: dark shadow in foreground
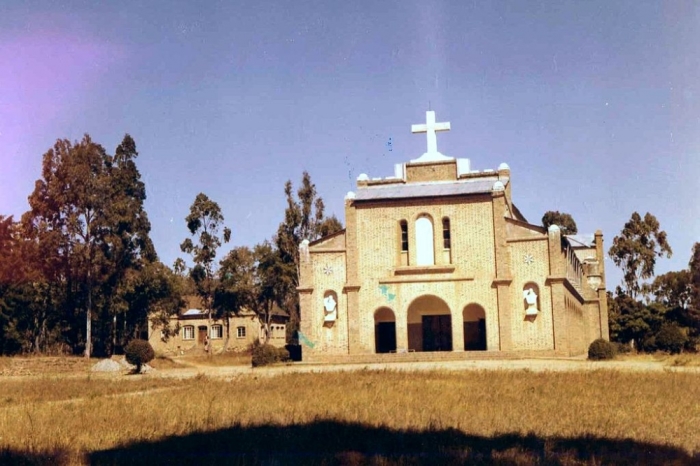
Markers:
(331, 442)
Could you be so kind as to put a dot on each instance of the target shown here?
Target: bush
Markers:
(601, 349)
(263, 355)
(138, 353)
(621, 348)
(671, 338)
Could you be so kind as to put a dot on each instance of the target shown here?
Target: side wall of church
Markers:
(530, 266)
(328, 273)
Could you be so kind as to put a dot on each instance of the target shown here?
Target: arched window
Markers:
(446, 239)
(404, 235)
(425, 250)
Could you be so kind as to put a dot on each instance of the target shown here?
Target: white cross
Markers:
(430, 127)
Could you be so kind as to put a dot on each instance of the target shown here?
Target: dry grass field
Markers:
(365, 417)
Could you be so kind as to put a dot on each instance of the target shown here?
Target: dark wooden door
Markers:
(385, 337)
(437, 333)
(475, 335)
(202, 335)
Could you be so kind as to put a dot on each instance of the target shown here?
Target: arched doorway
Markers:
(474, 328)
(384, 330)
(429, 325)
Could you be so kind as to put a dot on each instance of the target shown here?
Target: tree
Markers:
(303, 220)
(205, 221)
(139, 352)
(329, 225)
(636, 249)
(127, 241)
(694, 285)
(564, 221)
(68, 207)
(272, 285)
(632, 321)
(672, 289)
(236, 289)
(89, 226)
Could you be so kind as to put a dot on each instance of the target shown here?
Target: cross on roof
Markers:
(430, 127)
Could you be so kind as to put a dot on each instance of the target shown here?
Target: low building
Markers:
(194, 331)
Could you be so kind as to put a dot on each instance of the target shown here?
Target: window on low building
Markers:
(188, 332)
(217, 331)
(240, 332)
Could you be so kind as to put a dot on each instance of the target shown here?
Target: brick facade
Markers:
(480, 270)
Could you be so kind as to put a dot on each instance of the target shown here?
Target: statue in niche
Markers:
(531, 299)
(331, 308)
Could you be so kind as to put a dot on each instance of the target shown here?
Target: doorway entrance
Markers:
(429, 324)
(201, 334)
(437, 333)
(474, 328)
(384, 331)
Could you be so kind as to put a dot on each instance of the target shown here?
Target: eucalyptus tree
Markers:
(636, 249)
(564, 221)
(303, 220)
(205, 223)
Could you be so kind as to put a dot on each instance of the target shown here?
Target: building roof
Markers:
(429, 189)
(581, 241)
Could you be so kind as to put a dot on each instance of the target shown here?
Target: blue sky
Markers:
(594, 105)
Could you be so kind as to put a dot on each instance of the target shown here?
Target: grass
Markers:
(230, 358)
(366, 417)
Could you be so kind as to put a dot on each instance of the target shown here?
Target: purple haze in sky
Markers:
(594, 105)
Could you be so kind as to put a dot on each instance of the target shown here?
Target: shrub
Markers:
(263, 355)
(601, 349)
(671, 338)
(138, 353)
(621, 348)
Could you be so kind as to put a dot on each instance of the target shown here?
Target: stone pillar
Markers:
(352, 285)
(602, 292)
(557, 276)
(503, 269)
(457, 330)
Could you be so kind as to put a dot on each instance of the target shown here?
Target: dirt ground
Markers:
(533, 365)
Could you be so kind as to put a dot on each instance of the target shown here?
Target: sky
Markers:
(594, 105)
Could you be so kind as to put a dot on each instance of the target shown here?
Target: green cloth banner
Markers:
(305, 340)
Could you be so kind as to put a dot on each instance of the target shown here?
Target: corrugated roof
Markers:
(434, 189)
(578, 241)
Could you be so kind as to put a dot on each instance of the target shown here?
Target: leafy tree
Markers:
(236, 289)
(303, 219)
(672, 289)
(139, 352)
(205, 222)
(68, 207)
(272, 284)
(89, 227)
(636, 249)
(127, 242)
(632, 321)
(329, 226)
(255, 280)
(564, 221)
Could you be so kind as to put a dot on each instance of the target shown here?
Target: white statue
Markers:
(330, 306)
(531, 300)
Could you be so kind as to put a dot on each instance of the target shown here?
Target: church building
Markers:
(437, 258)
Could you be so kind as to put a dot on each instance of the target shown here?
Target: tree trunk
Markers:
(228, 333)
(88, 324)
